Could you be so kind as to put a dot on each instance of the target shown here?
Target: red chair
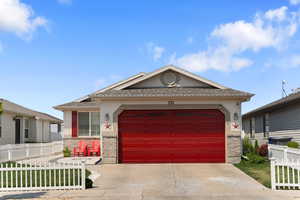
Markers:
(95, 149)
(81, 149)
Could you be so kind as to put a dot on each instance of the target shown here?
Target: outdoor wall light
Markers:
(235, 117)
(107, 117)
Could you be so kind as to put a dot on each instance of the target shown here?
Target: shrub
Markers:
(263, 150)
(254, 158)
(293, 144)
(67, 152)
(256, 147)
(88, 183)
(247, 146)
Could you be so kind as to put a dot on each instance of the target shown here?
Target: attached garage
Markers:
(172, 136)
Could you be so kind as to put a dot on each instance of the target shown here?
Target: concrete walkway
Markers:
(168, 181)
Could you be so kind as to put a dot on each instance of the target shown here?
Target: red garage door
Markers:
(171, 136)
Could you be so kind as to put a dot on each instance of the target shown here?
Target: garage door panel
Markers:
(167, 136)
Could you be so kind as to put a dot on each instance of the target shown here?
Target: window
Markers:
(0, 125)
(26, 128)
(88, 123)
(252, 127)
(266, 125)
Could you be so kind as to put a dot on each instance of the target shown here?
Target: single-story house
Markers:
(166, 116)
(279, 119)
(22, 125)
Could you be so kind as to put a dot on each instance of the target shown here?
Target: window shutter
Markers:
(74, 123)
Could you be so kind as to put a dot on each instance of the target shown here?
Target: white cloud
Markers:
(19, 18)
(277, 14)
(271, 29)
(155, 50)
(66, 2)
(294, 2)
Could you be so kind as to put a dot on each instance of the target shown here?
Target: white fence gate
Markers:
(13, 152)
(285, 174)
(41, 176)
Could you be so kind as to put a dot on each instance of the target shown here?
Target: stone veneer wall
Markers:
(233, 149)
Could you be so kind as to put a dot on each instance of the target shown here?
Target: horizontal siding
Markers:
(295, 134)
(287, 118)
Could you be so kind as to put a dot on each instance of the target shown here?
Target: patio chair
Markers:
(81, 149)
(95, 149)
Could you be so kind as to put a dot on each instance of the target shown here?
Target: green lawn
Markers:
(57, 177)
(260, 172)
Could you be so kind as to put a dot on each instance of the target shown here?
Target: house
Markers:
(22, 125)
(280, 118)
(169, 115)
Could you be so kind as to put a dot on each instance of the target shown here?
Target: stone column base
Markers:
(234, 149)
(109, 150)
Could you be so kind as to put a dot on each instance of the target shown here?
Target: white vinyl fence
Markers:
(13, 152)
(283, 153)
(285, 175)
(41, 176)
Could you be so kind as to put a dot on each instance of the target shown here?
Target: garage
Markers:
(171, 136)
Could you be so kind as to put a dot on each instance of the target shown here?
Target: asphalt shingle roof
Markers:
(280, 102)
(174, 92)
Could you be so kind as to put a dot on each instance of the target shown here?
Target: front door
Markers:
(18, 131)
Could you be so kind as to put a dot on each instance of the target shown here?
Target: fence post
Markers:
(83, 174)
(27, 150)
(273, 186)
(285, 154)
(9, 154)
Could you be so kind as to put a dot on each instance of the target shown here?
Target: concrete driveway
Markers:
(171, 181)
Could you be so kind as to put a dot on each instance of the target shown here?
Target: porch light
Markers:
(107, 117)
(235, 117)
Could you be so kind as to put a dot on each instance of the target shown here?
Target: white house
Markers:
(22, 125)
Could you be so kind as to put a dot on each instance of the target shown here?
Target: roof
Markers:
(122, 89)
(174, 92)
(9, 106)
(295, 97)
(76, 105)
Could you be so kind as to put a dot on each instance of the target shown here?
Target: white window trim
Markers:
(90, 123)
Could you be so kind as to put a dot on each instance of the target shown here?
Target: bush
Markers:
(247, 146)
(88, 183)
(293, 144)
(254, 158)
(263, 150)
(256, 147)
(67, 152)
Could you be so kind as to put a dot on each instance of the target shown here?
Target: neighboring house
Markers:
(169, 115)
(280, 118)
(22, 125)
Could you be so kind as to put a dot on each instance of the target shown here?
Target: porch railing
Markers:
(14, 152)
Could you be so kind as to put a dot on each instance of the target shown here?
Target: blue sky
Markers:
(54, 51)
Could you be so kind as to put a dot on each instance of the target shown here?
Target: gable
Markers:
(170, 78)
(186, 78)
